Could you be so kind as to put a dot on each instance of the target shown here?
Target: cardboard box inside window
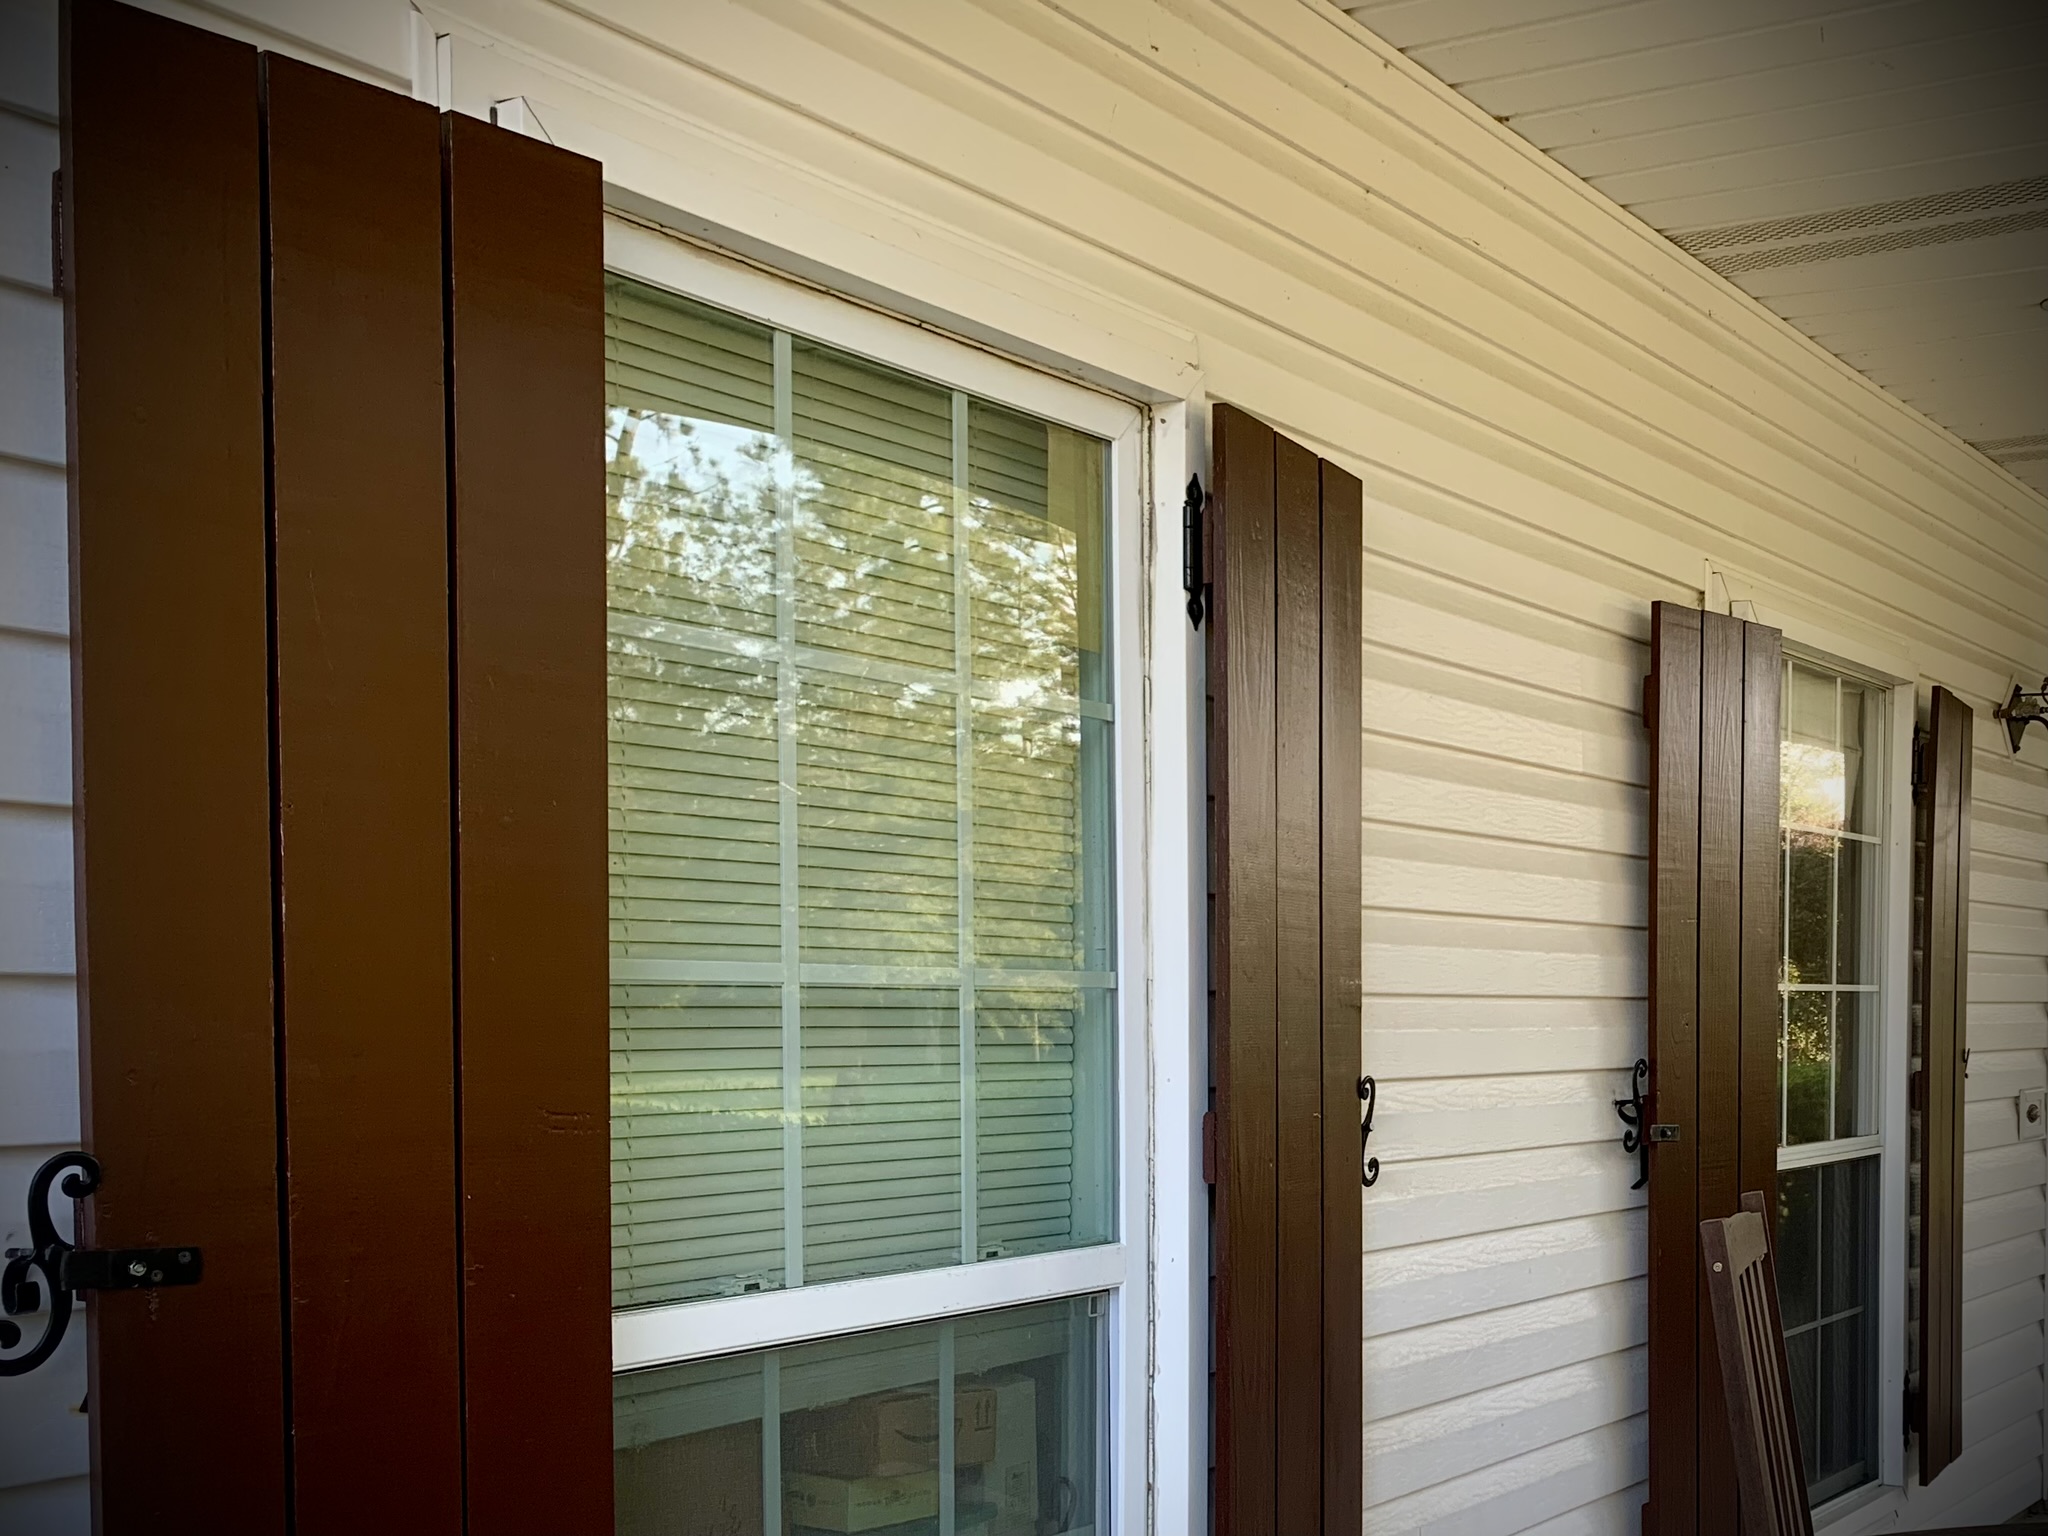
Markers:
(706, 1484)
(891, 1434)
(856, 1506)
(1008, 1481)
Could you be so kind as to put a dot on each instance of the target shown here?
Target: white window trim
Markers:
(1122, 1269)
(1818, 643)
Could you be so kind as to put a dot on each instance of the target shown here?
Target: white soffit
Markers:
(1876, 173)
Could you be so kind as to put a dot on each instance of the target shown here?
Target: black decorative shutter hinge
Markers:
(1368, 1099)
(1193, 578)
(67, 1270)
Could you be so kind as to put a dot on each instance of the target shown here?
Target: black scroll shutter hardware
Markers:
(67, 1269)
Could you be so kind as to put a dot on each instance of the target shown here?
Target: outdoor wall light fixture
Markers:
(2021, 710)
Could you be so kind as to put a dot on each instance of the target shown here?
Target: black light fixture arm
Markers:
(2020, 710)
(66, 1269)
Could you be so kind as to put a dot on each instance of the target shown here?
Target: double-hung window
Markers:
(870, 1057)
(1835, 1131)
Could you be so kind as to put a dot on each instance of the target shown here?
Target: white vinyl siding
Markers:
(43, 1452)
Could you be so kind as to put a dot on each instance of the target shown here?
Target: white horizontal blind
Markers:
(859, 789)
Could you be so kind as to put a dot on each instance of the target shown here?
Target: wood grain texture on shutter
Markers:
(1297, 629)
(163, 314)
(1942, 796)
(526, 359)
(1284, 648)
(360, 551)
(1243, 960)
(1713, 707)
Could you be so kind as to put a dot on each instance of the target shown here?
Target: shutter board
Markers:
(1343, 535)
(1719, 1114)
(1673, 1201)
(1297, 628)
(360, 596)
(1284, 710)
(526, 339)
(1943, 899)
(171, 735)
(1715, 878)
(1242, 957)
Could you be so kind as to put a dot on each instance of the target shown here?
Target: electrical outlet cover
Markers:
(2033, 1113)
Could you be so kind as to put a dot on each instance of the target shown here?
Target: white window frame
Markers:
(1892, 1141)
(676, 1332)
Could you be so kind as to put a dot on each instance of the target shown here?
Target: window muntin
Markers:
(1831, 1126)
(860, 782)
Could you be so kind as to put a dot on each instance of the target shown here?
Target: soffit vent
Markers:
(2014, 450)
(1897, 225)
(1871, 245)
(1901, 210)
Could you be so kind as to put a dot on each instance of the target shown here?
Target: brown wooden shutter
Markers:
(1284, 641)
(163, 309)
(1715, 874)
(327, 778)
(1942, 902)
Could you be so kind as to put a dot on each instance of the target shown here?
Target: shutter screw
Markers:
(137, 1268)
(1717, 1269)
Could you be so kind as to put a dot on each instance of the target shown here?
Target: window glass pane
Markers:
(1808, 1069)
(696, 1141)
(874, 513)
(1036, 503)
(1827, 1231)
(881, 1098)
(694, 473)
(878, 822)
(1043, 1173)
(1856, 912)
(1798, 1256)
(1856, 1063)
(1859, 708)
(860, 778)
(991, 1424)
(1810, 899)
(1810, 754)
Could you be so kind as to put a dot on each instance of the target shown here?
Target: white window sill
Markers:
(1873, 1507)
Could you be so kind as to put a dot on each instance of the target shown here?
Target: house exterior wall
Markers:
(1557, 419)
